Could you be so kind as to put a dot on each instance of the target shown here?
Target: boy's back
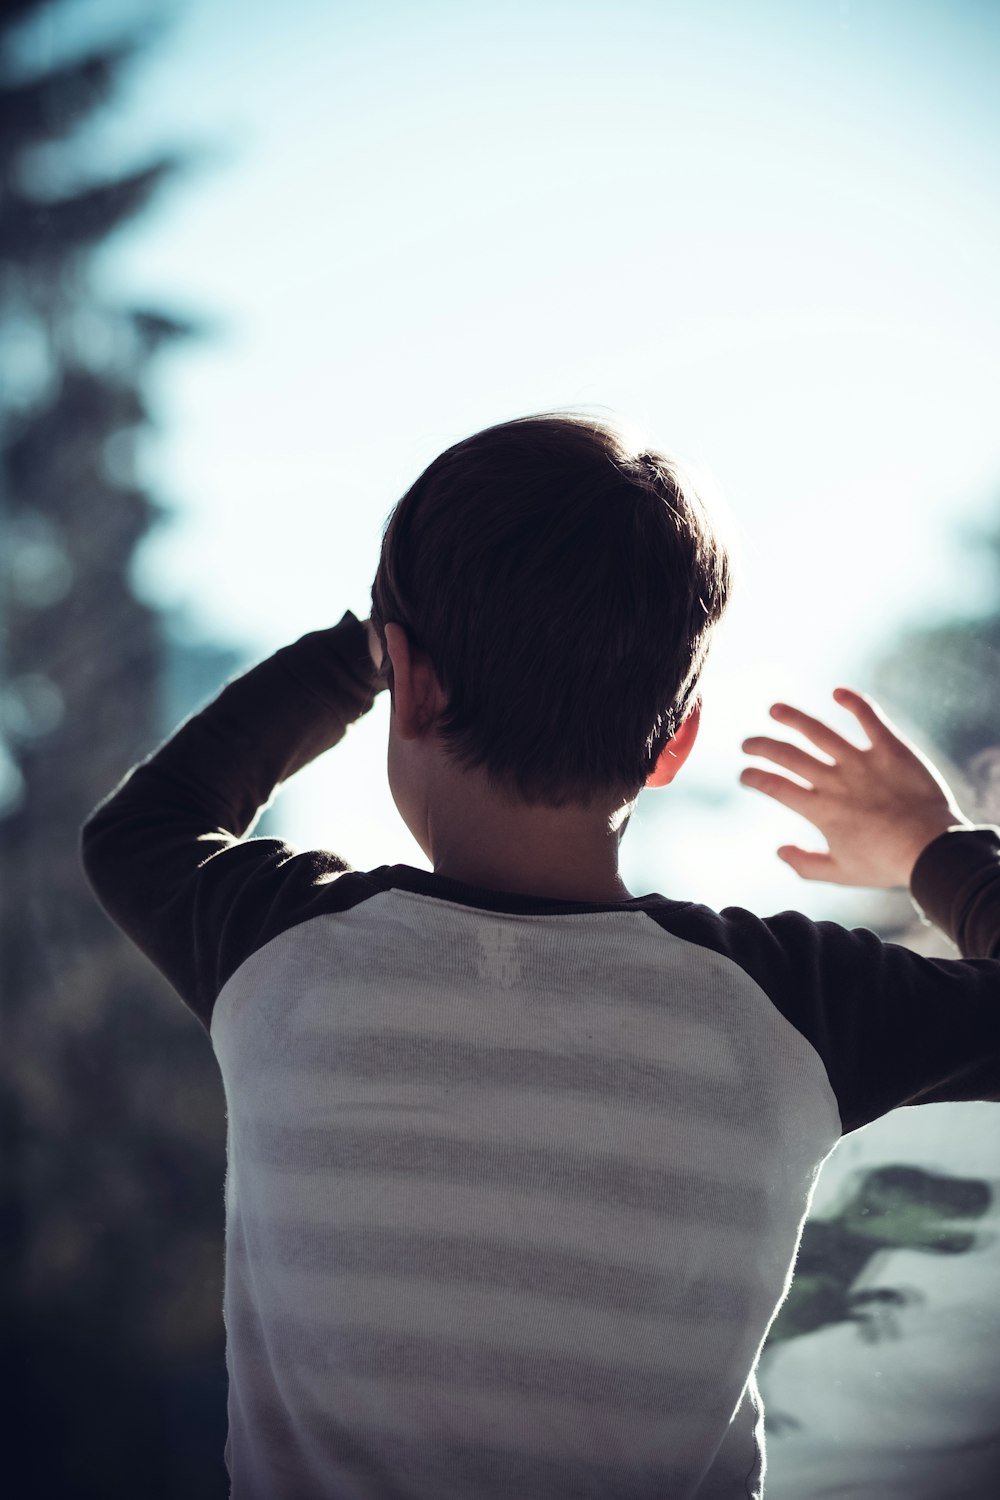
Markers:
(515, 1183)
(514, 1193)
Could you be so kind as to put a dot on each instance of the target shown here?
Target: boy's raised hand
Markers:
(878, 808)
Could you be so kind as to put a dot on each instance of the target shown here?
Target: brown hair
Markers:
(565, 590)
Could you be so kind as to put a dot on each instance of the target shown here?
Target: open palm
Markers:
(878, 807)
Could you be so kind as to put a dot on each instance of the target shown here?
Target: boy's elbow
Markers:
(87, 844)
(86, 835)
(94, 837)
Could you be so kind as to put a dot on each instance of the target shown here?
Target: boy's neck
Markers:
(568, 854)
(520, 881)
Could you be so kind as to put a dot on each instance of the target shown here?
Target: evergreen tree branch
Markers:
(39, 231)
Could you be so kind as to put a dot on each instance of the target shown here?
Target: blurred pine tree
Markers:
(111, 1214)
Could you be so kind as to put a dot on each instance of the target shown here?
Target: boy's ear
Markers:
(676, 751)
(417, 697)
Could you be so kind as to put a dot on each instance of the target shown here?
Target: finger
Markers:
(867, 712)
(807, 863)
(788, 793)
(822, 736)
(790, 756)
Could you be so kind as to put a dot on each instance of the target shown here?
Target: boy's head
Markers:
(564, 589)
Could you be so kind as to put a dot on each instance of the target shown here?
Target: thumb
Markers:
(808, 864)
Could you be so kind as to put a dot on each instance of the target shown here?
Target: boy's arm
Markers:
(893, 1027)
(163, 852)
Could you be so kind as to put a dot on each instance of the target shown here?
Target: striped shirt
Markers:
(515, 1185)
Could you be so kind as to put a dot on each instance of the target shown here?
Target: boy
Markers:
(519, 1162)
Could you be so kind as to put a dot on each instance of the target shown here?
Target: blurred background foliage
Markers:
(113, 1120)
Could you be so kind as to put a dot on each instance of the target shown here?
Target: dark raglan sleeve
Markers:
(956, 883)
(165, 852)
(893, 1027)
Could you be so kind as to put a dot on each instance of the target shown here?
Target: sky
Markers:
(765, 234)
